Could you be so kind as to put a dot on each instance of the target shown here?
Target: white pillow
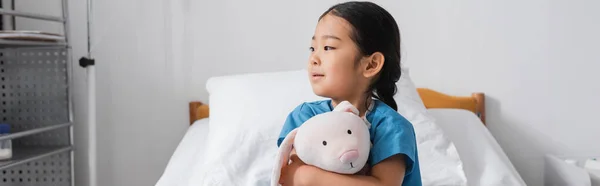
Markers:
(407, 96)
(438, 158)
(246, 116)
(248, 111)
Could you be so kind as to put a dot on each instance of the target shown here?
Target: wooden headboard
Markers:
(198, 110)
(431, 98)
(474, 103)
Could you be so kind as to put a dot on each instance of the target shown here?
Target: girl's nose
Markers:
(314, 60)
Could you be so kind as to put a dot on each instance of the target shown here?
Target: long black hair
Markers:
(374, 30)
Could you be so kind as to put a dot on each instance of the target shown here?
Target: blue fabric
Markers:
(391, 134)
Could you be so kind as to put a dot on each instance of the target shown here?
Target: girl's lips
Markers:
(317, 76)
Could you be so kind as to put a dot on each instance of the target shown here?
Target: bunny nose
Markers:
(349, 156)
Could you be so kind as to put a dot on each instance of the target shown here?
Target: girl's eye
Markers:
(312, 49)
(324, 143)
(349, 132)
(328, 48)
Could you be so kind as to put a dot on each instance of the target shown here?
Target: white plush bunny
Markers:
(337, 141)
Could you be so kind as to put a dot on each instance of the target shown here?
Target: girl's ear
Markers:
(373, 65)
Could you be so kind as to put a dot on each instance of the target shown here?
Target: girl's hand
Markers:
(365, 171)
(296, 173)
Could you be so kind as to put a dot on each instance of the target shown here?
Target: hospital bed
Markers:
(455, 147)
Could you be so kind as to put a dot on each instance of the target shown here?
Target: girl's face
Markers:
(333, 65)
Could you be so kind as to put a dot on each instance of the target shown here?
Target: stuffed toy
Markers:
(337, 141)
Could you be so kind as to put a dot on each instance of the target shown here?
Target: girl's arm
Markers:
(388, 172)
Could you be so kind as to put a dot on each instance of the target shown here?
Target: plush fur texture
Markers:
(337, 141)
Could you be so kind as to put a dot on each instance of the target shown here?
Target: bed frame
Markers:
(431, 98)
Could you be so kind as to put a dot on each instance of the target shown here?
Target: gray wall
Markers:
(535, 60)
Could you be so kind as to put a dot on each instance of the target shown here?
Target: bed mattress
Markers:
(484, 161)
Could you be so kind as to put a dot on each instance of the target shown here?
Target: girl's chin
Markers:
(320, 91)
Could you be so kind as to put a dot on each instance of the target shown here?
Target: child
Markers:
(355, 56)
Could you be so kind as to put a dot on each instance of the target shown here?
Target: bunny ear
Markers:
(283, 156)
(346, 106)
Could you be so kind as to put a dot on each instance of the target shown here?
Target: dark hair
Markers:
(374, 30)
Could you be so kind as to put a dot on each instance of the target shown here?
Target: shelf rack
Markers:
(7, 43)
(36, 100)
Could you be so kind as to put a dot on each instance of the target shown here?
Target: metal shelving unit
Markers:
(7, 43)
(36, 100)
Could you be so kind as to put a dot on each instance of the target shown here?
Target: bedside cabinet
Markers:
(565, 171)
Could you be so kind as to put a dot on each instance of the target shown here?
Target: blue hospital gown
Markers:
(390, 132)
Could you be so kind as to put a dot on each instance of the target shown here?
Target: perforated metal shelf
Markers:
(27, 154)
(8, 43)
(34, 131)
(51, 169)
(34, 101)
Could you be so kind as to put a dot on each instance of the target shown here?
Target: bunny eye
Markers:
(349, 131)
(324, 143)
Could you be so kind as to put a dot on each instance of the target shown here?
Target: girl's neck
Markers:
(360, 102)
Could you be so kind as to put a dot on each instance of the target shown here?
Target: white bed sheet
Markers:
(188, 152)
(484, 161)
